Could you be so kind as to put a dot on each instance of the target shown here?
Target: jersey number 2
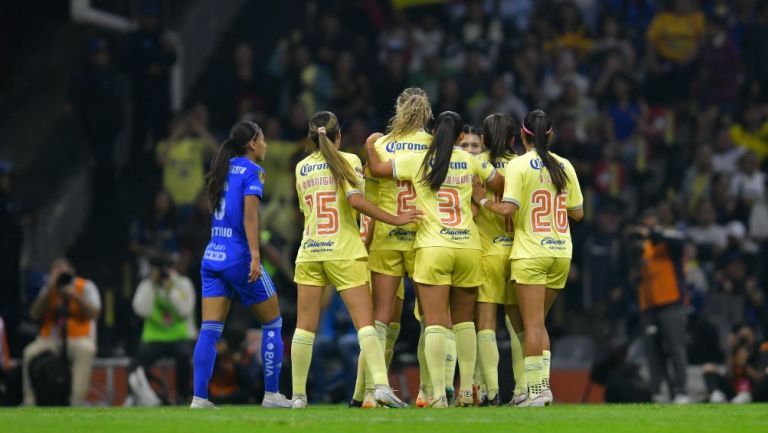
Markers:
(327, 216)
(544, 203)
(405, 196)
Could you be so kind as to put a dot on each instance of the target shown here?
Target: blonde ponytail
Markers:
(412, 112)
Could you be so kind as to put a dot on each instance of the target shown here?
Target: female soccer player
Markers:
(447, 245)
(471, 141)
(540, 193)
(232, 262)
(329, 184)
(391, 252)
(496, 235)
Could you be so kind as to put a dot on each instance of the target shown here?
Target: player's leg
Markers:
(514, 322)
(425, 380)
(215, 307)
(451, 361)
(310, 281)
(81, 353)
(466, 277)
(531, 301)
(350, 279)
(394, 329)
(557, 275)
(487, 349)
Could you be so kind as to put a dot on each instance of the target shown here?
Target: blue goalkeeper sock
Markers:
(272, 353)
(205, 356)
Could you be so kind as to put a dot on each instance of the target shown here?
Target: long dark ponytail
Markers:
(498, 136)
(237, 143)
(538, 127)
(448, 126)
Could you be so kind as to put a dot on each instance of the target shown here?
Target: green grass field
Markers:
(338, 419)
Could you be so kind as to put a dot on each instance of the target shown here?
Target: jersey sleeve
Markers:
(406, 167)
(483, 168)
(253, 181)
(357, 168)
(513, 185)
(575, 198)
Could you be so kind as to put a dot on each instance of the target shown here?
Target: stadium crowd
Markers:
(662, 107)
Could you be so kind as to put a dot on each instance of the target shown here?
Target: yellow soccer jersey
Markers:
(331, 231)
(541, 222)
(496, 232)
(396, 196)
(447, 212)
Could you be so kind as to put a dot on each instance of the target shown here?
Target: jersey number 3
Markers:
(323, 203)
(544, 203)
(449, 206)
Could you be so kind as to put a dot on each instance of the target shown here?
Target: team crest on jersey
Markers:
(262, 176)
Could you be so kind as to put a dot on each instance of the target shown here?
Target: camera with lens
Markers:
(64, 279)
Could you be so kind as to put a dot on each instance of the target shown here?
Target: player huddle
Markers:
(471, 230)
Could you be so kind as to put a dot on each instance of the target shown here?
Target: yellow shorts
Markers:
(551, 272)
(441, 266)
(342, 274)
(391, 262)
(496, 287)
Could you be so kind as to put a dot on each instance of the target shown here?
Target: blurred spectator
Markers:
(351, 88)
(232, 379)
(427, 39)
(752, 132)
(336, 341)
(720, 67)
(710, 237)
(755, 53)
(500, 100)
(247, 93)
(674, 39)
(725, 158)
(612, 41)
(451, 98)
(575, 104)
(329, 39)
(565, 73)
(748, 184)
(11, 239)
(390, 81)
(428, 76)
(311, 83)
(182, 157)
(96, 97)
(745, 379)
(571, 31)
(657, 257)
(155, 235)
(697, 182)
(481, 30)
(149, 56)
(166, 302)
(68, 306)
(624, 110)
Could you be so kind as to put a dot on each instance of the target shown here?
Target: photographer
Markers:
(657, 259)
(67, 305)
(166, 302)
(745, 376)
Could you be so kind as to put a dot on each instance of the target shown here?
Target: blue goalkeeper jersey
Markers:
(229, 245)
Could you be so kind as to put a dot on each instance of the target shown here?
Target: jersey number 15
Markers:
(323, 203)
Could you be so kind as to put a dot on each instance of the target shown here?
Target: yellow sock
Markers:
(488, 360)
(533, 367)
(477, 379)
(450, 358)
(545, 360)
(466, 345)
(424, 377)
(359, 393)
(518, 366)
(434, 353)
(301, 357)
(389, 350)
(373, 353)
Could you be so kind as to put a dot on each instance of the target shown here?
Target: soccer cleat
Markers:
(369, 401)
(439, 402)
(741, 398)
(494, 402)
(517, 400)
(718, 397)
(274, 400)
(548, 397)
(387, 398)
(464, 399)
(682, 399)
(355, 404)
(538, 401)
(299, 402)
(421, 399)
(201, 403)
